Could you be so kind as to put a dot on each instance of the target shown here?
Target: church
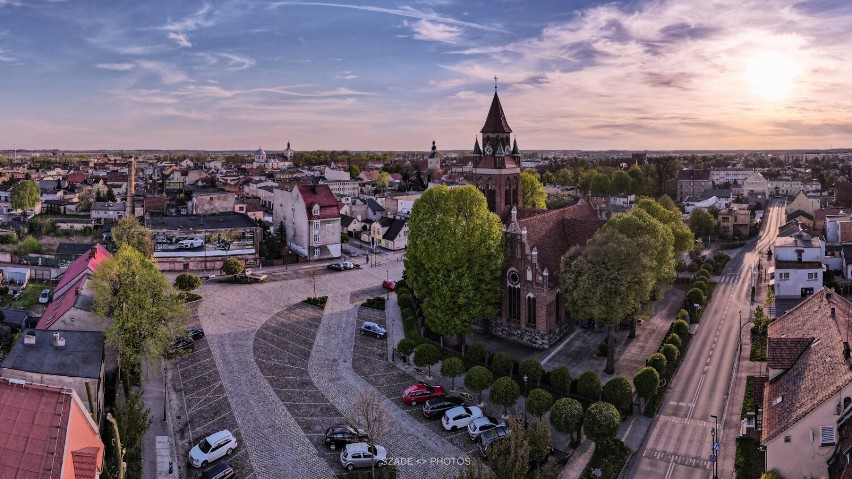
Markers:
(533, 310)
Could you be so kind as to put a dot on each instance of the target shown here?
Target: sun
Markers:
(771, 75)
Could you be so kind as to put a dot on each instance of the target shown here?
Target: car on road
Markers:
(44, 297)
(480, 425)
(361, 454)
(421, 392)
(195, 334)
(489, 436)
(220, 470)
(181, 345)
(212, 447)
(435, 408)
(339, 435)
(190, 243)
(389, 285)
(347, 265)
(459, 417)
(335, 267)
(373, 329)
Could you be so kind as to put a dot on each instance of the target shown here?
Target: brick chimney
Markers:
(131, 188)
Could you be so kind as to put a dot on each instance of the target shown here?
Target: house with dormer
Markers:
(798, 267)
(312, 215)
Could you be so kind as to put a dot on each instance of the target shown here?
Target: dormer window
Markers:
(315, 210)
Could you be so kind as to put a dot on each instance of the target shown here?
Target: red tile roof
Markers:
(155, 205)
(782, 353)
(324, 197)
(822, 213)
(61, 305)
(819, 371)
(87, 262)
(843, 192)
(252, 204)
(85, 463)
(75, 178)
(495, 122)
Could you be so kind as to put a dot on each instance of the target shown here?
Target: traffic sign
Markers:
(716, 446)
(712, 458)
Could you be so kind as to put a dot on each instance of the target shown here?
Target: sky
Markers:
(387, 75)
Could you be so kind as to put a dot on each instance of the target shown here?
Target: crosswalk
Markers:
(735, 278)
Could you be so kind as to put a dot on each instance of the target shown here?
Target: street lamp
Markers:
(525, 403)
(713, 450)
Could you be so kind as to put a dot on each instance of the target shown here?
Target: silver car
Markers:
(361, 454)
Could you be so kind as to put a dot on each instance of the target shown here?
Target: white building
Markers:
(798, 265)
(756, 183)
(312, 216)
(729, 175)
(785, 187)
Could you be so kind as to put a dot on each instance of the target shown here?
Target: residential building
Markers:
(400, 206)
(210, 201)
(312, 216)
(73, 299)
(809, 387)
(387, 233)
(843, 194)
(106, 212)
(692, 202)
(734, 222)
(47, 433)
(204, 242)
(785, 187)
(692, 183)
(823, 216)
(60, 358)
(722, 176)
(798, 265)
(802, 208)
(756, 183)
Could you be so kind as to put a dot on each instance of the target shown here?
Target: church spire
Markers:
(496, 120)
(476, 149)
(515, 150)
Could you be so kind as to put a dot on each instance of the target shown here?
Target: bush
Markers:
(501, 364)
(695, 296)
(773, 474)
(318, 301)
(190, 297)
(680, 266)
(589, 385)
(675, 340)
(477, 379)
(703, 273)
(10, 237)
(452, 367)
(672, 354)
(647, 382)
(539, 402)
(609, 457)
(701, 284)
(602, 422)
(504, 392)
(560, 379)
(532, 370)
(693, 267)
(377, 303)
(659, 363)
(187, 282)
(681, 328)
(406, 346)
(476, 352)
(707, 268)
(30, 245)
(618, 392)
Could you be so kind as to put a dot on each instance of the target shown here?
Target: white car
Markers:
(459, 417)
(361, 454)
(44, 297)
(480, 425)
(212, 447)
(190, 243)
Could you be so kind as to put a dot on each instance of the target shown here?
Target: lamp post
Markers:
(713, 450)
(525, 400)
(741, 330)
(165, 394)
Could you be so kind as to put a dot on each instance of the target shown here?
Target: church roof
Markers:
(496, 120)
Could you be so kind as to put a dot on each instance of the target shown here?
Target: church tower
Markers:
(496, 165)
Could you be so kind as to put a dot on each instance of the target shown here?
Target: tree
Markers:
(772, 474)
(474, 470)
(673, 220)
(232, 266)
(476, 352)
(406, 346)
(30, 245)
(281, 233)
(532, 190)
(501, 364)
(531, 368)
(477, 379)
(128, 231)
(600, 184)
(539, 402)
(672, 354)
(504, 392)
(659, 363)
(449, 228)
(637, 225)
(609, 281)
(383, 180)
(681, 327)
(620, 182)
(589, 385)
(145, 310)
(538, 439)
(452, 368)
(354, 171)
(695, 296)
(617, 391)
(639, 185)
(133, 420)
(674, 340)
(370, 413)
(646, 382)
(25, 195)
(560, 378)
(701, 222)
(426, 355)
(187, 282)
(668, 203)
(509, 457)
(602, 422)
(548, 178)
(566, 416)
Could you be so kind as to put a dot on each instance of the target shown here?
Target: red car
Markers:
(391, 285)
(420, 393)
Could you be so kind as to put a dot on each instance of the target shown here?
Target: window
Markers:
(316, 252)
(799, 253)
(812, 276)
(316, 225)
(529, 274)
(726, 219)
(531, 311)
(827, 436)
(784, 276)
(513, 306)
(316, 237)
(315, 210)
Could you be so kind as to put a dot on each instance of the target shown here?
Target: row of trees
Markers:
(649, 179)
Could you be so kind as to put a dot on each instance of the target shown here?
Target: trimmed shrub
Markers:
(693, 267)
(618, 392)
(560, 379)
(659, 363)
(672, 354)
(476, 352)
(501, 364)
(452, 367)
(426, 354)
(406, 347)
(538, 402)
(646, 382)
(504, 392)
(681, 328)
(532, 370)
(477, 379)
(703, 273)
(695, 296)
(675, 340)
(702, 285)
(589, 385)
(602, 422)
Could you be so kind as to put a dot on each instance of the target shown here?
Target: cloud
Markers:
(345, 75)
(119, 67)
(237, 62)
(192, 22)
(181, 39)
(5, 57)
(168, 74)
(436, 32)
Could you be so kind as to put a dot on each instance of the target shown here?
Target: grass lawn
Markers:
(758, 348)
(29, 298)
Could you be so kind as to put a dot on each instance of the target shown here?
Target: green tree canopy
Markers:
(600, 184)
(25, 195)
(383, 180)
(452, 368)
(504, 392)
(672, 354)
(538, 438)
(232, 266)
(560, 378)
(589, 385)
(509, 457)
(620, 183)
(566, 416)
(659, 363)
(128, 231)
(426, 354)
(406, 346)
(532, 191)
(539, 402)
(646, 382)
(145, 310)
(477, 379)
(449, 228)
(674, 340)
(672, 219)
(187, 282)
(602, 422)
(617, 391)
(354, 171)
(501, 364)
(701, 222)
(532, 369)
(680, 327)
(637, 225)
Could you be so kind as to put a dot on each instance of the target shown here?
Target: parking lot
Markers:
(200, 407)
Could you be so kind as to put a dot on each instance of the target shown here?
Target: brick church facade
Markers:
(533, 310)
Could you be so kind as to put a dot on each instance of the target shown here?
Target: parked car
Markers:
(459, 417)
(212, 447)
(44, 297)
(491, 435)
(190, 243)
(221, 470)
(435, 408)
(180, 345)
(389, 285)
(421, 392)
(335, 267)
(339, 435)
(480, 425)
(361, 454)
(347, 265)
(373, 329)
(195, 333)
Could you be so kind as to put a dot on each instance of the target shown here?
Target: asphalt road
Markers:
(679, 443)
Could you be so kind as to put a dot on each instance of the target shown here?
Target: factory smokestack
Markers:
(131, 188)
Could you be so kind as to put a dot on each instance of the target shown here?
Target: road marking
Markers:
(695, 398)
(558, 348)
(670, 470)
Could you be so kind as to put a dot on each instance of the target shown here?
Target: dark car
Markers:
(373, 329)
(221, 470)
(335, 267)
(435, 408)
(491, 435)
(340, 435)
(195, 333)
(181, 345)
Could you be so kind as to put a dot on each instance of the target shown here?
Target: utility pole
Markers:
(714, 448)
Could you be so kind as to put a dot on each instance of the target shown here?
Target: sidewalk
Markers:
(158, 439)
